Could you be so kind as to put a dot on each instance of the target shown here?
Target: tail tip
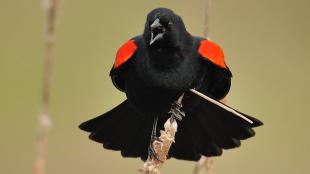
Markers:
(84, 126)
(257, 122)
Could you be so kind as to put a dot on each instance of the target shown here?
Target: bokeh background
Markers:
(266, 43)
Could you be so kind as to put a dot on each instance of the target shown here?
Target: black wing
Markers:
(215, 73)
(123, 60)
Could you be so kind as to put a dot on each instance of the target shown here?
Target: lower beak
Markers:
(155, 38)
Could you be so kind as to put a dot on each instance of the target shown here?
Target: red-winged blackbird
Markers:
(153, 70)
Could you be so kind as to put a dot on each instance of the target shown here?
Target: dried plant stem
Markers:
(205, 162)
(44, 121)
(206, 18)
(152, 165)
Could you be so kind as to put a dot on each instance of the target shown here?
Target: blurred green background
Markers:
(266, 44)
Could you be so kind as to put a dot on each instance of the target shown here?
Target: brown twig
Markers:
(152, 165)
(44, 121)
(206, 18)
(205, 162)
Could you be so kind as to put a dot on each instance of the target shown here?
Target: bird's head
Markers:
(163, 28)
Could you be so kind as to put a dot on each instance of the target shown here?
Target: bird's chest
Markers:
(167, 71)
(152, 88)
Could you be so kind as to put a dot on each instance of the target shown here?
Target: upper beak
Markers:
(156, 24)
(158, 36)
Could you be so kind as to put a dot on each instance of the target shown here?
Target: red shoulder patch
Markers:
(124, 53)
(212, 52)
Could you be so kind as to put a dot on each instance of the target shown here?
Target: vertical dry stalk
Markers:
(153, 166)
(44, 121)
(206, 18)
(205, 162)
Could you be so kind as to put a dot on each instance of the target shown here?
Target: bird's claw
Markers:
(154, 138)
(176, 112)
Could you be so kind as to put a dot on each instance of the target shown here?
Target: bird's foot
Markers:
(176, 111)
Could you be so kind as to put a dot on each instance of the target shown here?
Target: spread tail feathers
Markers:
(121, 129)
(206, 129)
(209, 128)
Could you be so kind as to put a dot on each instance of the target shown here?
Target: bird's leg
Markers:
(176, 114)
(151, 150)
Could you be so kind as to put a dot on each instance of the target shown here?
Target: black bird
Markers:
(153, 70)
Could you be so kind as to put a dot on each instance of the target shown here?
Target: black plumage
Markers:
(165, 64)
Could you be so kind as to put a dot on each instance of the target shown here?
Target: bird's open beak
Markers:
(157, 31)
